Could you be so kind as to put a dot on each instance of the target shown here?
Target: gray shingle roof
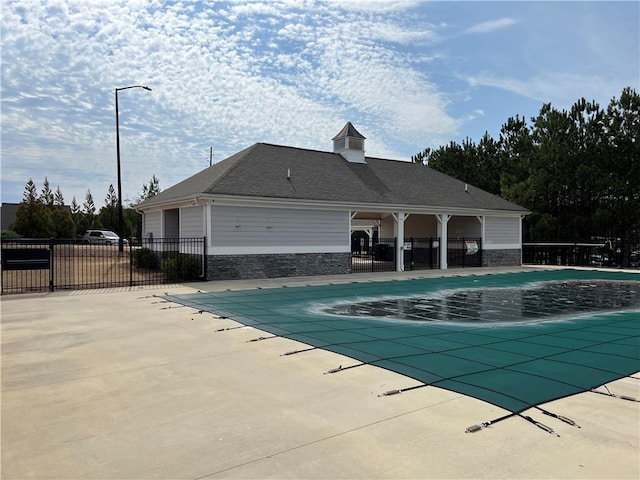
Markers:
(261, 171)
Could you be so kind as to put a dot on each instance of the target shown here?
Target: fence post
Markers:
(431, 253)
(412, 259)
(130, 262)
(464, 254)
(204, 257)
(52, 265)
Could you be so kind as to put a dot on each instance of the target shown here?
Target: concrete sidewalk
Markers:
(119, 385)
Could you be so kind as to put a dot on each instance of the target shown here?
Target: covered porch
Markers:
(399, 241)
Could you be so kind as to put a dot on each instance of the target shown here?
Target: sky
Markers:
(225, 75)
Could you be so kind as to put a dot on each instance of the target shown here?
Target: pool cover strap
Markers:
(512, 365)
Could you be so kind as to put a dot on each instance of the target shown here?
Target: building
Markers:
(272, 210)
(8, 213)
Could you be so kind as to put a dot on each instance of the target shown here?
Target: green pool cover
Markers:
(516, 340)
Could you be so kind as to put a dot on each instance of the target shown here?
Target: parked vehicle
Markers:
(102, 237)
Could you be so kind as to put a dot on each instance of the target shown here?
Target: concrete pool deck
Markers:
(113, 384)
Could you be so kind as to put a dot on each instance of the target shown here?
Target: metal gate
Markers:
(464, 252)
(36, 265)
(375, 257)
(421, 253)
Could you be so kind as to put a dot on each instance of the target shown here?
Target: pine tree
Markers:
(149, 190)
(89, 208)
(58, 199)
(77, 217)
(88, 211)
(75, 208)
(108, 215)
(33, 219)
(112, 198)
(30, 193)
(47, 195)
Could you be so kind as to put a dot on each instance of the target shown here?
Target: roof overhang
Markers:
(296, 203)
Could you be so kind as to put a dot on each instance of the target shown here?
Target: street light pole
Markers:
(120, 219)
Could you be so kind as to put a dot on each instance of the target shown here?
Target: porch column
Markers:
(481, 220)
(520, 237)
(482, 242)
(398, 228)
(443, 220)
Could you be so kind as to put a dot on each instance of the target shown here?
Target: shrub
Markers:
(145, 258)
(10, 234)
(180, 266)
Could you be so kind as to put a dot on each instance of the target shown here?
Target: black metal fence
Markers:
(421, 253)
(54, 264)
(464, 252)
(374, 257)
(608, 254)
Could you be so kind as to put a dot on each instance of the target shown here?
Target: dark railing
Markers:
(421, 253)
(609, 254)
(375, 257)
(55, 264)
(464, 252)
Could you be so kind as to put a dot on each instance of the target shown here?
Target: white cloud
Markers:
(558, 88)
(491, 25)
(228, 74)
(376, 6)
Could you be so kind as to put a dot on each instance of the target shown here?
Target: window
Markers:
(355, 144)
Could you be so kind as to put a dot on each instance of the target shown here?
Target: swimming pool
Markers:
(542, 301)
(515, 340)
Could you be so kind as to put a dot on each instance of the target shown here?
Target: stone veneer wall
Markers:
(502, 258)
(242, 267)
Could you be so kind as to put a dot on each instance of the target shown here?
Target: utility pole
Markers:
(210, 156)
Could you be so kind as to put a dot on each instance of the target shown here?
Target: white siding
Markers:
(152, 224)
(502, 232)
(278, 230)
(191, 222)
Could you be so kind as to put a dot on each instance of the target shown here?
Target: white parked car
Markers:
(102, 237)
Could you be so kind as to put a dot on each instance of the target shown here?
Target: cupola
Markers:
(350, 144)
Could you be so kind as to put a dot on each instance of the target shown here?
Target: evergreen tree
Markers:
(108, 215)
(112, 199)
(576, 170)
(63, 224)
(88, 212)
(149, 190)
(132, 223)
(77, 217)
(422, 157)
(621, 161)
(58, 199)
(47, 195)
(30, 193)
(75, 208)
(33, 220)
(89, 208)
